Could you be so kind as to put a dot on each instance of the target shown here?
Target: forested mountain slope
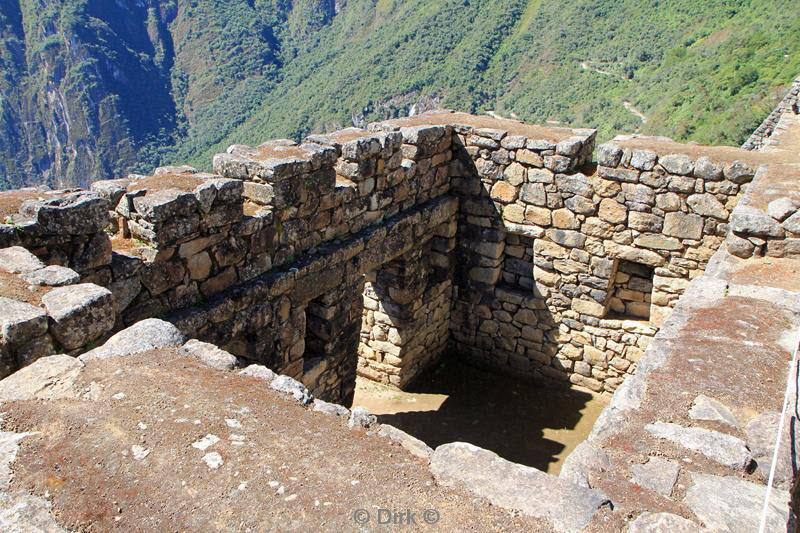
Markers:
(95, 88)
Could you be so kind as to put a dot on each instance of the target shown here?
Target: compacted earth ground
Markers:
(526, 422)
(159, 442)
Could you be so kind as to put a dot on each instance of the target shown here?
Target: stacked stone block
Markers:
(406, 319)
(789, 104)
(70, 316)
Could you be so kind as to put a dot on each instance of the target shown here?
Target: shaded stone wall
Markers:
(540, 290)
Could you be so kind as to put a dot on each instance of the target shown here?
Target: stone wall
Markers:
(375, 251)
(544, 285)
(762, 134)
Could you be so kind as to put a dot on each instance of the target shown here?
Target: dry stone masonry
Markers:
(373, 252)
(665, 273)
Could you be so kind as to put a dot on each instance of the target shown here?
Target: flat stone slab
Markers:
(512, 486)
(761, 433)
(146, 335)
(210, 355)
(17, 259)
(733, 505)
(20, 322)
(52, 276)
(709, 409)
(79, 314)
(724, 449)
(46, 378)
(656, 474)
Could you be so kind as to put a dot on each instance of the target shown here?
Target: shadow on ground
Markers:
(528, 423)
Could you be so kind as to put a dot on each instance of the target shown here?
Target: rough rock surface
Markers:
(720, 447)
(333, 409)
(53, 276)
(413, 445)
(360, 417)
(656, 474)
(734, 505)
(17, 259)
(259, 371)
(513, 486)
(709, 409)
(293, 388)
(145, 335)
(210, 354)
(50, 377)
(79, 314)
(663, 523)
(761, 433)
(20, 322)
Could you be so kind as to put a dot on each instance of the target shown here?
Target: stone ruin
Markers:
(375, 252)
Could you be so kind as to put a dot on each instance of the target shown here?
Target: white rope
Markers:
(792, 369)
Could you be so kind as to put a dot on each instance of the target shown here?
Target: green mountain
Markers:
(93, 89)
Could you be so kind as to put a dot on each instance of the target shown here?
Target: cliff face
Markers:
(92, 89)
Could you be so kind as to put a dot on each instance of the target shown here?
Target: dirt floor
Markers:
(522, 421)
(12, 286)
(127, 457)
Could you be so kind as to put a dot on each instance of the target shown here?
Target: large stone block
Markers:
(79, 314)
(79, 213)
(17, 259)
(683, 225)
(20, 322)
(521, 488)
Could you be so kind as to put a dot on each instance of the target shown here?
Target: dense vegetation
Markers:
(173, 81)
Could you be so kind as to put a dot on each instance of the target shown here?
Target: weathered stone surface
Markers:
(515, 487)
(705, 408)
(333, 409)
(584, 460)
(210, 355)
(656, 474)
(17, 259)
(78, 213)
(360, 417)
(734, 505)
(782, 208)
(21, 512)
(679, 164)
(739, 172)
(48, 378)
(20, 322)
(683, 226)
(724, 449)
(412, 444)
(707, 205)
(761, 433)
(79, 314)
(293, 388)
(662, 523)
(149, 334)
(52, 276)
(259, 372)
(751, 221)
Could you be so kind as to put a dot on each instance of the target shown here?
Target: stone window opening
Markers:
(632, 291)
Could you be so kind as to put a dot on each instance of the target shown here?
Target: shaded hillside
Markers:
(92, 89)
